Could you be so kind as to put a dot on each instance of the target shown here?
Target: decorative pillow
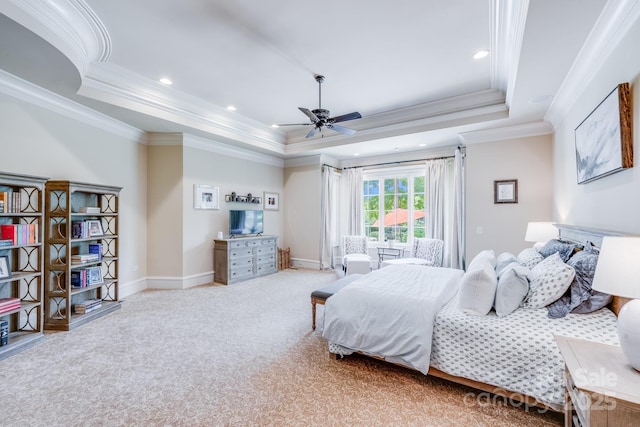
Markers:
(513, 286)
(550, 279)
(529, 258)
(486, 256)
(503, 260)
(477, 290)
(565, 249)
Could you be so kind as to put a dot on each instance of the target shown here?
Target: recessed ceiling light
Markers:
(275, 126)
(165, 81)
(356, 154)
(231, 108)
(396, 149)
(480, 54)
(422, 145)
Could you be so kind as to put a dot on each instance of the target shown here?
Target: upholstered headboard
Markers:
(581, 235)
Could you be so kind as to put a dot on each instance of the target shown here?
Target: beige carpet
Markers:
(239, 355)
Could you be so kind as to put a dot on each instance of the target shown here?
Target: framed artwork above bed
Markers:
(604, 139)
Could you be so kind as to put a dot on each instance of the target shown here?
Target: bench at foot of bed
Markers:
(319, 296)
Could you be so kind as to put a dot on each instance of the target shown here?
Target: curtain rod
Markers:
(400, 161)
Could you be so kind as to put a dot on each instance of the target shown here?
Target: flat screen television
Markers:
(246, 222)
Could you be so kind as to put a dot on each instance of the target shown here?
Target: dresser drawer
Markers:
(241, 271)
(240, 262)
(240, 253)
(581, 401)
(237, 244)
(265, 268)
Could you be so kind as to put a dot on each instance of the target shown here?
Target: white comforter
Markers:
(390, 312)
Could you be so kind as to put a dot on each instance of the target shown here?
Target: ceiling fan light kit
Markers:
(320, 117)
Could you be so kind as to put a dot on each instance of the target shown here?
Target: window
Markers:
(394, 204)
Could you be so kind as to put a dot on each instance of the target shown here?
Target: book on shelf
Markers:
(4, 332)
(89, 209)
(6, 242)
(96, 248)
(84, 258)
(20, 234)
(10, 202)
(87, 306)
(86, 277)
(8, 304)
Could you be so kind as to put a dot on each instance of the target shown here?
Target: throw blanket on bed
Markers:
(390, 312)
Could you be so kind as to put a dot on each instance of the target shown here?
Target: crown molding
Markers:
(117, 86)
(508, 132)
(613, 24)
(316, 159)
(204, 144)
(508, 32)
(69, 25)
(27, 92)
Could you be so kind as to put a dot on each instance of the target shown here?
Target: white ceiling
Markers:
(406, 66)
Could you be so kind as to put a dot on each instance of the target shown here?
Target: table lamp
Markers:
(540, 233)
(618, 273)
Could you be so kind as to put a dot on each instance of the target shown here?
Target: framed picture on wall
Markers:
(505, 191)
(604, 139)
(271, 201)
(206, 197)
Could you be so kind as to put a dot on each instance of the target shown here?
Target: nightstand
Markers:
(602, 389)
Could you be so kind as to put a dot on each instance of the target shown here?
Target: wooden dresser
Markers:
(243, 258)
(602, 389)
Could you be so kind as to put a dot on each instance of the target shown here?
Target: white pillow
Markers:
(513, 286)
(529, 258)
(504, 260)
(483, 257)
(477, 290)
(549, 280)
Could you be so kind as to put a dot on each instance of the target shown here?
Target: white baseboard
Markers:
(163, 282)
(305, 263)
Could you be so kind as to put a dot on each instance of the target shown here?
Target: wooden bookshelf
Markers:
(22, 206)
(68, 232)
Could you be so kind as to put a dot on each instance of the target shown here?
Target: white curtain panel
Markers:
(456, 248)
(436, 181)
(445, 207)
(326, 217)
(356, 201)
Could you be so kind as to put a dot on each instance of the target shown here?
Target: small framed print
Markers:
(505, 191)
(271, 201)
(206, 197)
(94, 275)
(94, 228)
(5, 267)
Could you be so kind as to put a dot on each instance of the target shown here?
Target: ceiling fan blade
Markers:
(295, 124)
(341, 129)
(309, 114)
(313, 132)
(345, 117)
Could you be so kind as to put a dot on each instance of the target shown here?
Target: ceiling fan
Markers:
(320, 117)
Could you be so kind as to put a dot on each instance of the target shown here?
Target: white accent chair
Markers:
(425, 251)
(355, 255)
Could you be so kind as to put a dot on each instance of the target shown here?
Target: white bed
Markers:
(514, 356)
(357, 317)
(517, 352)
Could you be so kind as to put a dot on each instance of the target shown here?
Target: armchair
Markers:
(355, 255)
(425, 251)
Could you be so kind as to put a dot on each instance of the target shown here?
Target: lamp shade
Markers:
(618, 268)
(540, 232)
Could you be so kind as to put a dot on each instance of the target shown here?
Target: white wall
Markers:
(611, 202)
(35, 141)
(302, 185)
(529, 160)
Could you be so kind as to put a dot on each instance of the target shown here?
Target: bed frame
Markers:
(572, 233)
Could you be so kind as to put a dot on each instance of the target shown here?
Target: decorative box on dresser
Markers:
(78, 289)
(243, 258)
(602, 389)
(21, 282)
